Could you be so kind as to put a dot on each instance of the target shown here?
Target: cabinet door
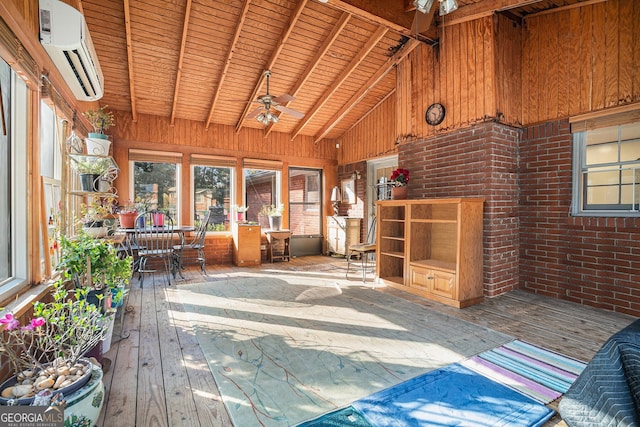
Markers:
(420, 278)
(442, 283)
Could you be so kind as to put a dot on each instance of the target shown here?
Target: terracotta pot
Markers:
(399, 193)
(127, 219)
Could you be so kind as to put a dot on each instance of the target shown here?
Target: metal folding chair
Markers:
(154, 242)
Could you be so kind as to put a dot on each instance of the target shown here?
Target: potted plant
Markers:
(94, 215)
(275, 215)
(400, 180)
(94, 264)
(46, 354)
(90, 170)
(127, 215)
(97, 142)
(240, 212)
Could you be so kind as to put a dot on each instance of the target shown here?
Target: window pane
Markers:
(630, 150)
(5, 176)
(155, 184)
(260, 189)
(212, 191)
(602, 153)
(304, 202)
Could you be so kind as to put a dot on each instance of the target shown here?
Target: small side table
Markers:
(272, 236)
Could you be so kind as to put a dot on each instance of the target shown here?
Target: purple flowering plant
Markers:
(59, 332)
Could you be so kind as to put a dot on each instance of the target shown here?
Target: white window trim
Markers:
(20, 214)
(577, 188)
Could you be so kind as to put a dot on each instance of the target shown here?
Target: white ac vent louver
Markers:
(65, 37)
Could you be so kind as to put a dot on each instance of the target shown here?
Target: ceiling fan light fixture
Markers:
(447, 6)
(423, 6)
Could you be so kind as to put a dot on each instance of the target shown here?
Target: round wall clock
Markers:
(435, 114)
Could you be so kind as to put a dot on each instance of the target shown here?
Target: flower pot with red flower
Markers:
(400, 180)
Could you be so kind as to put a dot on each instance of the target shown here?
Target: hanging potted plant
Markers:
(97, 142)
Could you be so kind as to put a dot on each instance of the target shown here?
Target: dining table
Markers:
(130, 246)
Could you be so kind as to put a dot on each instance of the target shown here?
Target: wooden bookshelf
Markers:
(432, 247)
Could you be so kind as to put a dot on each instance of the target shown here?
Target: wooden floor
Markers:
(159, 377)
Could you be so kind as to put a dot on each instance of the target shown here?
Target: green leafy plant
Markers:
(93, 263)
(95, 166)
(100, 119)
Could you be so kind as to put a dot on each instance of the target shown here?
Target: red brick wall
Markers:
(589, 260)
(218, 249)
(479, 161)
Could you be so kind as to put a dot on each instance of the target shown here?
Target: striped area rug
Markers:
(533, 371)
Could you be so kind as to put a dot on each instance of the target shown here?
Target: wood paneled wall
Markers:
(460, 73)
(374, 136)
(581, 60)
(556, 65)
(188, 137)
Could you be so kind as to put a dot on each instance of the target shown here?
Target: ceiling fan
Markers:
(264, 114)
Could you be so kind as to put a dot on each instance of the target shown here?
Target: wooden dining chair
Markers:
(154, 242)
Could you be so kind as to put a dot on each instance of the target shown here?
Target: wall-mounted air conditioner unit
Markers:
(65, 37)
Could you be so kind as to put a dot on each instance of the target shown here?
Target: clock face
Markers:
(435, 114)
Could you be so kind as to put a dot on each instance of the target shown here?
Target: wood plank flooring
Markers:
(159, 376)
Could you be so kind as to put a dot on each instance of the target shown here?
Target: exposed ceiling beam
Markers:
(295, 16)
(183, 43)
(372, 109)
(484, 8)
(227, 63)
(132, 86)
(370, 84)
(373, 41)
(389, 14)
(313, 64)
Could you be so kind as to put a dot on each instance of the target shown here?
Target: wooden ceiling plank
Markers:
(183, 43)
(313, 64)
(132, 86)
(369, 16)
(295, 16)
(357, 59)
(223, 74)
(370, 84)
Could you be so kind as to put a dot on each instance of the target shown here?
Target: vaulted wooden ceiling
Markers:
(204, 60)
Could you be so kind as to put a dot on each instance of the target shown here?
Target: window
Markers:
(304, 202)
(13, 182)
(607, 171)
(262, 182)
(155, 180)
(212, 186)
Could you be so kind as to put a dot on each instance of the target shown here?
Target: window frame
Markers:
(18, 139)
(210, 162)
(150, 156)
(580, 169)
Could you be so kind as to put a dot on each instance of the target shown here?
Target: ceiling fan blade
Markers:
(283, 98)
(255, 113)
(289, 111)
